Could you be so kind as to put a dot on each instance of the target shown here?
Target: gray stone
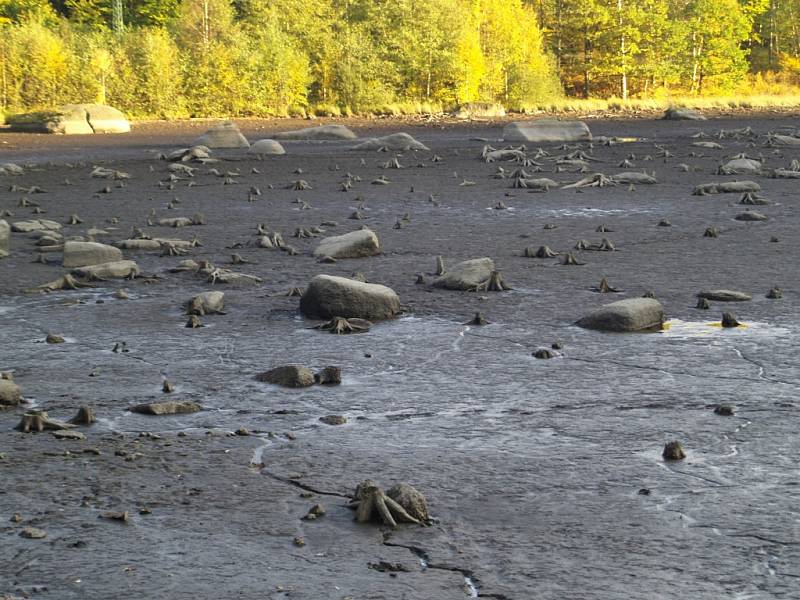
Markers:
(467, 275)
(725, 296)
(288, 376)
(83, 254)
(328, 296)
(224, 135)
(207, 303)
(356, 244)
(167, 408)
(5, 238)
(682, 114)
(266, 147)
(547, 131)
(120, 269)
(396, 141)
(35, 225)
(323, 132)
(10, 394)
(632, 314)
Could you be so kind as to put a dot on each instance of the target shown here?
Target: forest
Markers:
(202, 58)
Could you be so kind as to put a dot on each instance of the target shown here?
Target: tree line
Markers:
(175, 58)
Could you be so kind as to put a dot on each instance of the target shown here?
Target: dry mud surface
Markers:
(532, 468)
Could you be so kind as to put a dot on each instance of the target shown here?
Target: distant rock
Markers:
(682, 114)
(328, 296)
(356, 244)
(71, 119)
(398, 142)
(288, 376)
(632, 314)
(224, 135)
(547, 131)
(323, 132)
(725, 296)
(167, 408)
(266, 147)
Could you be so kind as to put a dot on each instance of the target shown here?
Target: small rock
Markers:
(724, 410)
(333, 419)
(673, 451)
(329, 376)
(729, 320)
(288, 376)
(33, 533)
(54, 339)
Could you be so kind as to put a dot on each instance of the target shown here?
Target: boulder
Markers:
(399, 142)
(411, 499)
(119, 269)
(739, 165)
(207, 303)
(10, 394)
(167, 408)
(72, 119)
(480, 110)
(266, 147)
(224, 135)
(35, 225)
(633, 314)
(5, 238)
(725, 296)
(751, 215)
(83, 254)
(137, 244)
(682, 114)
(356, 244)
(323, 132)
(547, 131)
(328, 296)
(467, 275)
(288, 376)
(103, 119)
(634, 177)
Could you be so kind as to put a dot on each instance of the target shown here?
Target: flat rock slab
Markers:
(328, 296)
(68, 434)
(547, 131)
(323, 132)
(119, 269)
(466, 275)
(266, 147)
(35, 225)
(396, 141)
(84, 254)
(633, 314)
(288, 376)
(224, 135)
(725, 296)
(167, 408)
(356, 244)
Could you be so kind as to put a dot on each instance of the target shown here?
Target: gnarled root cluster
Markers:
(340, 325)
(372, 503)
(37, 420)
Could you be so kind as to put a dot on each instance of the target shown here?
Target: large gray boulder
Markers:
(726, 187)
(288, 376)
(83, 254)
(399, 142)
(328, 296)
(5, 238)
(119, 269)
(224, 135)
(266, 148)
(633, 314)
(356, 244)
(72, 119)
(547, 131)
(323, 132)
(467, 275)
(207, 303)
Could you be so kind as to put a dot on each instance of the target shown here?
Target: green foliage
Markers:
(178, 58)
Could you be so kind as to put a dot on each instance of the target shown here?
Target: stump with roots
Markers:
(340, 325)
(495, 283)
(85, 416)
(711, 232)
(775, 293)
(66, 282)
(702, 304)
(194, 322)
(37, 420)
(541, 252)
(569, 259)
(439, 266)
(605, 287)
(372, 503)
(478, 319)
